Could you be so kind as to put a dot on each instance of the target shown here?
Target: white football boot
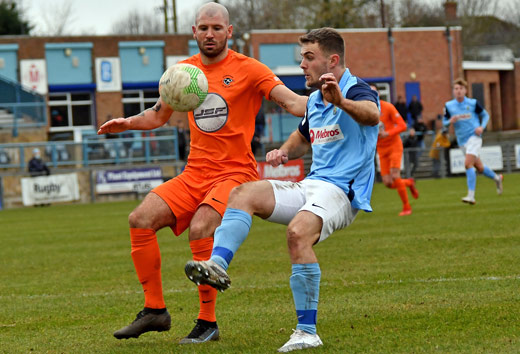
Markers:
(500, 187)
(469, 199)
(301, 340)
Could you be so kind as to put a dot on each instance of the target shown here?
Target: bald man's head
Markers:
(212, 9)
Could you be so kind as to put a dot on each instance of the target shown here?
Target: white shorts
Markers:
(473, 146)
(323, 199)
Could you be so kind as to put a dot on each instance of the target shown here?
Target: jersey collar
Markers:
(342, 83)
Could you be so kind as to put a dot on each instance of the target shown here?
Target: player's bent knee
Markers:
(199, 230)
(241, 195)
(135, 220)
(139, 219)
(294, 238)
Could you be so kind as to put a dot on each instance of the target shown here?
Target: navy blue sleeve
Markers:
(362, 92)
(447, 114)
(303, 127)
(478, 108)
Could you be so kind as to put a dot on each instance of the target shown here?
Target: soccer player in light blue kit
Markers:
(341, 127)
(469, 120)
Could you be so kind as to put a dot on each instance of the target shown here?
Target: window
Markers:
(136, 101)
(384, 91)
(70, 109)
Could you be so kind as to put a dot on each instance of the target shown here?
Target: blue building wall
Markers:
(274, 55)
(61, 63)
(9, 55)
(141, 62)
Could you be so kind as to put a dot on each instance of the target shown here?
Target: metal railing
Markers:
(143, 148)
(20, 107)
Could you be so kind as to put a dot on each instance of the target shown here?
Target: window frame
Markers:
(69, 102)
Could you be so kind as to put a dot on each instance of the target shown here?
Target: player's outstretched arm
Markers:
(150, 118)
(363, 112)
(289, 100)
(296, 146)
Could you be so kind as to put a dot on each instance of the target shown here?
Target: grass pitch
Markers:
(445, 279)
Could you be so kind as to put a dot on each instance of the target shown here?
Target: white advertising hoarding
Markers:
(517, 155)
(50, 189)
(108, 74)
(140, 180)
(33, 74)
(490, 156)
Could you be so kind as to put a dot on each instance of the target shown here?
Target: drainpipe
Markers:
(449, 38)
(392, 57)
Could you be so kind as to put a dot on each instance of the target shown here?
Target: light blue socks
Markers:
(305, 286)
(489, 173)
(471, 179)
(230, 235)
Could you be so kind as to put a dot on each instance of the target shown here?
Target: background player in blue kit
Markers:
(469, 120)
(341, 126)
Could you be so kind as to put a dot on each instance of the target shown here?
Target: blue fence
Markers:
(136, 147)
(280, 125)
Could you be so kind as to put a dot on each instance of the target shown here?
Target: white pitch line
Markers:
(174, 291)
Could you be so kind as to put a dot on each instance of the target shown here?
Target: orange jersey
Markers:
(222, 128)
(392, 122)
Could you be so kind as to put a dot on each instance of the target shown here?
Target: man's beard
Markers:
(211, 53)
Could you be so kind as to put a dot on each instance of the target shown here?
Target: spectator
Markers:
(400, 105)
(415, 108)
(441, 142)
(411, 145)
(57, 119)
(184, 135)
(36, 165)
(416, 141)
(4, 157)
(259, 131)
(420, 130)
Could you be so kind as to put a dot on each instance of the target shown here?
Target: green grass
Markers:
(445, 279)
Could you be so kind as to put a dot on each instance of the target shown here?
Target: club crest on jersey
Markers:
(326, 134)
(212, 114)
(227, 80)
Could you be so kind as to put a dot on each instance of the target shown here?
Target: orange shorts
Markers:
(186, 192)
(390, 158)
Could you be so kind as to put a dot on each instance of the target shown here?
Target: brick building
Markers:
(89, 79)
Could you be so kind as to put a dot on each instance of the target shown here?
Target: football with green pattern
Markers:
(183, 87)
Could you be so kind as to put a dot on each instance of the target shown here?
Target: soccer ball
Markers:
(183, 87)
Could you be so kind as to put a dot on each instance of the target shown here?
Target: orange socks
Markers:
(147, 263)
(400, 185)
(407, 182)
(201, 250)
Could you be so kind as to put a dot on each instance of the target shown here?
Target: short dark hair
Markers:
(329, 40)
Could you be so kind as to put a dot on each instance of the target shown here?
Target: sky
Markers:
(96, 16)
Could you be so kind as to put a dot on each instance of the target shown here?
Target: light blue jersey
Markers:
(342, 149)
(470, 114)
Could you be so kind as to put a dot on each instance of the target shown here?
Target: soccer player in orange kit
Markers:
(390, 151)
(220, 159)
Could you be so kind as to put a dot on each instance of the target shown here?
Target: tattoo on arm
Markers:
(280, 103)
(156, 108)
